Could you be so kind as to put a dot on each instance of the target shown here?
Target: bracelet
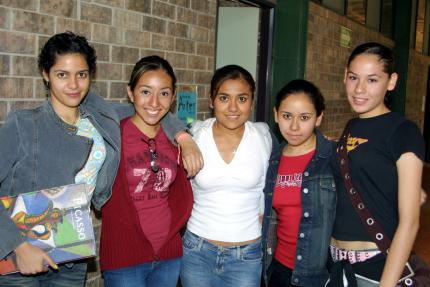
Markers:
(182, 135)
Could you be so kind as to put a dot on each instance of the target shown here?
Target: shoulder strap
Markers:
(369, 222)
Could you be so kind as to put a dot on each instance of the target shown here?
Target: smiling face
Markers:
(69, 82)
(152, 97)
(232, 104)
(366, 84)
(297, 119)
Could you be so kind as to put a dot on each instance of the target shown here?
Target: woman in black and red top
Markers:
(152, 198)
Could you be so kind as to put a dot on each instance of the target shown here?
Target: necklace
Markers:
(73, 123)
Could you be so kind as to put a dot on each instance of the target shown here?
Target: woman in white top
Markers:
(222, 244)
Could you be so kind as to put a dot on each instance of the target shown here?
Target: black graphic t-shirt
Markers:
(374, 145)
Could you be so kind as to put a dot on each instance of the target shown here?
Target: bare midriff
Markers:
(353, 245)
(232, 244)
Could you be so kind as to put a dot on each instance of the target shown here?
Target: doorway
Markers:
(244, 38)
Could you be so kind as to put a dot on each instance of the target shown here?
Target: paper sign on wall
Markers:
(345, 37)
(186, 107)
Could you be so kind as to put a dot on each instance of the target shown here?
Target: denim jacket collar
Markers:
(50, 112)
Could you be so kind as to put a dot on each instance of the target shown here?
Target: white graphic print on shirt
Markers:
(161, 183)
(287, 180)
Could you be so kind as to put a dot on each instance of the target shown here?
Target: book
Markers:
(57, 220)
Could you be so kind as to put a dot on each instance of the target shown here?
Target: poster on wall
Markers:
(186, 107)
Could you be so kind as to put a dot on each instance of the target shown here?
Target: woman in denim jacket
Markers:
(54, 145)
(300, 195)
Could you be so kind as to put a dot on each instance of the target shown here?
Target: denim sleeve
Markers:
(9, 138)
(171, 126)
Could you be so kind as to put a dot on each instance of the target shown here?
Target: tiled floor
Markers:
(422, 243)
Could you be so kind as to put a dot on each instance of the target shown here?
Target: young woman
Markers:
(152, 198)
(385, 154)
(222, 244)
(73, 137)
(300, 192)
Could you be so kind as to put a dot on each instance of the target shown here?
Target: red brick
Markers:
(5, 16)
(213, 7)
(15, 42)
(207, 21)
(107, 34)
(137, 38)
(200, 5)
(184, 45)
(138, 5)
(102, 52)
(4, 64)
(115, 3)
(211, 64)
(18, 88)
(177, 29)
(28, 104)
(118, 90)
(96, 14)
(100, 88)
(183, 3)
(125, 55)
(177, 61)
(196, 62)
(152, 24)
(186, 16)
(127, 72)
(162, 42)
(39, 89)
(59, 8)
(21, 4)
(25, 66)
(107, 71)
(32, 22)
(127, 19)
(3, 111)
(202, 77)
(199, 34)
(184, 76)
(163, 10)
(205, 49)
(79, 27)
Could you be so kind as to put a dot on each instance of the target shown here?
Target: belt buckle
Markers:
(408, 277)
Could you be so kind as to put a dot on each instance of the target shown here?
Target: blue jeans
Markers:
(152, 274)
(208, 265)
(72, 275)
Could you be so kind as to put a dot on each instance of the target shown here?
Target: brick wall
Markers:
(416, 86)
(326, 61)
(122, 31)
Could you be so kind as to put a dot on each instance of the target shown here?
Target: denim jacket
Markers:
(38, 150)
(318, 199)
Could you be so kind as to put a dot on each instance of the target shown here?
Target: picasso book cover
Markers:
(57, 220)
